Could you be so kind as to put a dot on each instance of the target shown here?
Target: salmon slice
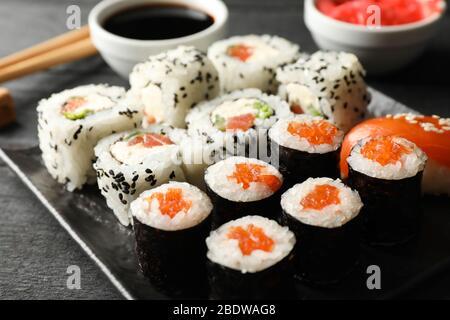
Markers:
(242, 122)
(150, 140)
(73, 104)
(296, 108)
(240, 51)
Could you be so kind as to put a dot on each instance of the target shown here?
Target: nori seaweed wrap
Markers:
(240, 186)
(171, 223)
(323, 214)
(387, 172)
(250, 258)
(308, 147)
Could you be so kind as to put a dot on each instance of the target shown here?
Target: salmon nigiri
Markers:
(429, 133)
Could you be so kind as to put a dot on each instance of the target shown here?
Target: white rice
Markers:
(226, 252)
(258, 71)
(149, 213)
(332, 216)
(123, 175)
(216, 177)
(68, 145)
(279, 133)
(328, 84)
(407, 166)
(171, 83)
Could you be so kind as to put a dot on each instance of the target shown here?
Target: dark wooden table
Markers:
(35, 251)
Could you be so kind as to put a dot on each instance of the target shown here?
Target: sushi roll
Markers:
(171, 83)
(238, 122)
(131, 162)
(250, 258)
(250, 61)
(70, 124)
(387, 172)
(323, 214)
(171, 223)
(430, 133)
(307, 146)
(238, 186)
(327, 84)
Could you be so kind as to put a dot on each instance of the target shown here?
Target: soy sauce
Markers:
(157, 22)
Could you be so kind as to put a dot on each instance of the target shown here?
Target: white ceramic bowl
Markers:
(122, 53)
(382, 50)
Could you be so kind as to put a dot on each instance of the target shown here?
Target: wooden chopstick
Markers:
(55, 43)
(66, 53)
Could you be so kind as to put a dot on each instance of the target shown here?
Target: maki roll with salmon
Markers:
(250, 258)
(171, 83)
(323, 214)
(308, 147)
(251, 61)
(430, 133)
(70, 124)
(387, 172)
(239, 186)
(237, 123)
(131, 162)
(327, 84)
(171, 223)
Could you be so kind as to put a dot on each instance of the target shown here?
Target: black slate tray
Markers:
(90, 222)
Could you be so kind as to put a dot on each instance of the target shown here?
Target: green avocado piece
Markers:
(219, 123)
(78, 115)
(310, 109)
(133, 134)
(264, 110)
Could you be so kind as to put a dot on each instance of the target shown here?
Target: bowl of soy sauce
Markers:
(127, 32)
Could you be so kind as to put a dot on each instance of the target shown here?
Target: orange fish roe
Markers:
(317, 132)
(240, 51)
(384, 150)
(73, 104)
(246, 173)
(322, 196)
(171, 202)
(150, 140)
(250, 239)
(241, 123)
